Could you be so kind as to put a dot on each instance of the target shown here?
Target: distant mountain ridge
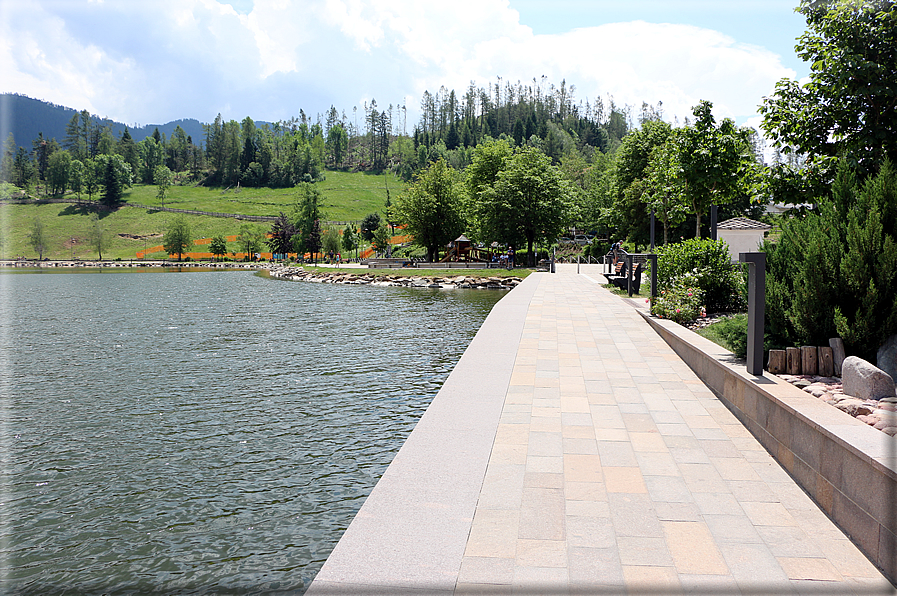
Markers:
(27, 117)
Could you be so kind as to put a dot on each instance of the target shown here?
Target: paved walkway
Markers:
(609, 468)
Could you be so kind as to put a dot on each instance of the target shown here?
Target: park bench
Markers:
(621, 282)
(619, 271)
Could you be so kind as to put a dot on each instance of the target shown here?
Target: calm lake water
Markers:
(203, 432)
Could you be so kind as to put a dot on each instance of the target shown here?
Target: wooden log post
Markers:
(793, 357)
(838, 354)
(809, 360)
(778, 363)
(826, 362)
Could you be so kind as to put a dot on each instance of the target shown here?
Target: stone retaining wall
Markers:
(847, 467)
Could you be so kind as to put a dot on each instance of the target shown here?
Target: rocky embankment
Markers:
(408, 281)
(878, 413)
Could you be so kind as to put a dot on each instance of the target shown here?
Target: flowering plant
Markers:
(682, 302)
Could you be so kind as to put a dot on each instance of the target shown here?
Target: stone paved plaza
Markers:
(572, 451)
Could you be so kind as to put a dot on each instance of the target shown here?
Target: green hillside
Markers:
(347, 197)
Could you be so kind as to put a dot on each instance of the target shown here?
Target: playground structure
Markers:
(462, 250)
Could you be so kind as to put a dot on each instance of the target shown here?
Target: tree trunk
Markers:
(698, 225)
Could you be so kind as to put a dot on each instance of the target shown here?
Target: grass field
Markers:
(347, 197)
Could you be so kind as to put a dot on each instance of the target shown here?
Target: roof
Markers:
(742, 223)
(462, 238)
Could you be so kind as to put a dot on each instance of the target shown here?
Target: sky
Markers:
(143, 62)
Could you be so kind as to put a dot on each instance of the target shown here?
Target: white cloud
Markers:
(173, 59)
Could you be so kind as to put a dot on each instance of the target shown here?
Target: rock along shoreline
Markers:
(393, 280)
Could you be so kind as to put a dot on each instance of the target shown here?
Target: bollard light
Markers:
(756, 309)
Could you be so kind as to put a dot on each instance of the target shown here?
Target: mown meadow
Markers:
(348, 197)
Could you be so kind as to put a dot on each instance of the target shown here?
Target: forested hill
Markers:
(29, 117)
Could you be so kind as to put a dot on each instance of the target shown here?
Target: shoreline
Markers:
(291, 273)
(345, 275)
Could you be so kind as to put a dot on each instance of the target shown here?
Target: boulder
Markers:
(886, 358)
(865, 381)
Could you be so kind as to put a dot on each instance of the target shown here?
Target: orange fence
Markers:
(141, 254)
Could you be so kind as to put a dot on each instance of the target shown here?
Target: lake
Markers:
(203, 432)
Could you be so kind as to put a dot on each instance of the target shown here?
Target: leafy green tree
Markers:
(711, 159)
(330, 240)
(489, 158)
(431, 209)
(530, 201)
(350, 239)
(250, 239)
(282, 232)
(218, 246)
(369, 225)
(162, 178)
(37, 237)
(631, 211)
(663, 188)
(847, 106)
(76, 177)
(58, 172)
(93, 177)
(336, 145)
(96, 234)
(178, 236)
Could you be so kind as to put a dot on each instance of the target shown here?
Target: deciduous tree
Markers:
(162, 178)
(37, 237)
(250, 239)
(96, 234)
(711, 159)
(178, 236)
(431, 209)
(218, 246)
(848, 105)
(529, 202)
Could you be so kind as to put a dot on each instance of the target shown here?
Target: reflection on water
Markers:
(204, 432)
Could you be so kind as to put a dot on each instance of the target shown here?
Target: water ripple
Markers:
(201, 433)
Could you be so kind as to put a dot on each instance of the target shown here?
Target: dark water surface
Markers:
(205, 432)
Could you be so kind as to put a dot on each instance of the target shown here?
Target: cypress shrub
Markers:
(833, 272)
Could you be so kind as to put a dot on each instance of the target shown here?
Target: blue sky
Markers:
(152, 62)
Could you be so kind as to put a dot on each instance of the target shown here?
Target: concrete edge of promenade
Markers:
(429, 492)
(413, 528)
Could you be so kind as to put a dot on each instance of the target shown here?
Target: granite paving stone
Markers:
(594, 462)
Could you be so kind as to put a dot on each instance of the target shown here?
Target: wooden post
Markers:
(793, 356)
(809, 361)
(838, 355)
(826, 362)
(777, 362)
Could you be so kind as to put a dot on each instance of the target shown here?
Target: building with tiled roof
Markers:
(742, 234)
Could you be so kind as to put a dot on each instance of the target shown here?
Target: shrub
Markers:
(682, 301)
(730, 333)
(834, 272)
(708, 260)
